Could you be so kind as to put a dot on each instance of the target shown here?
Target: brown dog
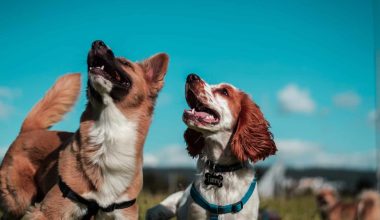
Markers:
(97, 171)
(367, 207)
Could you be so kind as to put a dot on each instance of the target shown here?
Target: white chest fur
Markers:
(116, 135)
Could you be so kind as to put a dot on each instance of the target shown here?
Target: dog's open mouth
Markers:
(102, 62)
(103, 69)
(199, 112)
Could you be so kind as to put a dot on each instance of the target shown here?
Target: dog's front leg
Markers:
(166, 209)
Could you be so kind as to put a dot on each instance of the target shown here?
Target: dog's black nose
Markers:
(98, 44)
(192, 77)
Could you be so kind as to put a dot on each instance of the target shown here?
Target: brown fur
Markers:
(25, 158)
(251, 140)
(56, 103)
(367, 207)
(194, 141)
(331, 208)
(75, 166)
(41, 155)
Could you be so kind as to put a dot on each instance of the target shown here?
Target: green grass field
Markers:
(297, 208)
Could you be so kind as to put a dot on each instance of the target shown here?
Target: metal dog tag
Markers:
(213, 179)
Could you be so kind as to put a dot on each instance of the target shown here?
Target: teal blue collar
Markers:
(215, 210)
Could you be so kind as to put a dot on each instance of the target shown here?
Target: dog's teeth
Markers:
(193, 110)
(102, 67)
(91, 68)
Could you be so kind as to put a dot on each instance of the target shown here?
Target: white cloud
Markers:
(292, 152)
(294, 99)
(364, 160)
(373, 116)
(348, 99)
(10, 93)
(170, 156)
(300, 153)
(295, 147)
(150, 160)
(7, 93)
(5, 110)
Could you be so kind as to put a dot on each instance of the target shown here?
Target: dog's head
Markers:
(224, 108)
(119, 81)
(326, 198)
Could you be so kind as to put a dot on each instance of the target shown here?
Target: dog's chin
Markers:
(101, 85)
(99, 90)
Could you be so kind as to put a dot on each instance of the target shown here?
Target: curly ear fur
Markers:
(252, 139)
(194, 141)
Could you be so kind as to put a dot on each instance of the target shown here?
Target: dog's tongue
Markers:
(204, 116)
(201, 114)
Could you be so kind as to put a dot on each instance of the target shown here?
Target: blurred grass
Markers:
(295, 208)
(147, 200)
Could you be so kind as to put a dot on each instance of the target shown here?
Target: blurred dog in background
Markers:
(330, 206)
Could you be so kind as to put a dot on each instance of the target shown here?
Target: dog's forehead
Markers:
(124, 60)
(222, 85)
(326, 192)
(129, 65)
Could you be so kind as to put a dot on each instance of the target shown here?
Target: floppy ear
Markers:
(155, 69)
(194, 141)
(252, 139)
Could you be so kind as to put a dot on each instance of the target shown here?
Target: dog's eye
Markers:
(127, 84)
(125, 62)
(223, 92)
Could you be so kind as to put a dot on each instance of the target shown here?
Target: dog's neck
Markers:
(235, 183)
(217, 148)
(110, 152)
(327, 209)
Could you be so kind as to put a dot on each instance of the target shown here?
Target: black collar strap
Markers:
(92, 206)
(217, 168)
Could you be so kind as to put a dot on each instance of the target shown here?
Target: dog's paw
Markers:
(159, 212)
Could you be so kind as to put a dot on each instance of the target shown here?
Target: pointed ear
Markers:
(194, 141)
(252, 139)
(155, 69)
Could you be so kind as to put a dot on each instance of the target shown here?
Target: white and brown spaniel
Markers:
(226, 131)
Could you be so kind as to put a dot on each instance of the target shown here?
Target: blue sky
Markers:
(309, 65)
